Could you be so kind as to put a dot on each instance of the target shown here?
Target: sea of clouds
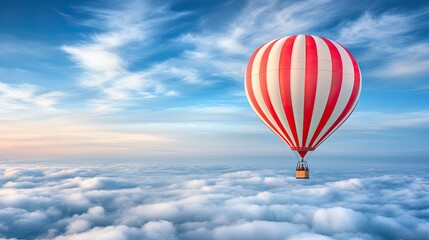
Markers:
(164, 201)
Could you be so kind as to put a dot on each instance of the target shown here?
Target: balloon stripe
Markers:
(297, 80)
(284, 83)
(274, 87)
(251, 96)
(334, 93)
(345, 92)
(264, 90)
(323, 87)
(351, 102)
(256, 86)
(311, 69)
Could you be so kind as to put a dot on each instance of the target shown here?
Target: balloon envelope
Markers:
(303, 88)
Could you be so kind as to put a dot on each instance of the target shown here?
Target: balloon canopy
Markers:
(303, 88)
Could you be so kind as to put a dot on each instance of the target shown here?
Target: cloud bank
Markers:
(209, 202)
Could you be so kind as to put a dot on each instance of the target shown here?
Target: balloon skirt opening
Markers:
(302, 153)
(302, 174)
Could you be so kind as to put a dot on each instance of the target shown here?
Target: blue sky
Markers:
(147, 80)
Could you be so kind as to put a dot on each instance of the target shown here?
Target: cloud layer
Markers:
(210, 202)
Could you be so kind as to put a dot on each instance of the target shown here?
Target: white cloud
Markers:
(104, 59)
(196, 184)
(226, 52)
(412, 66)
(155, 211)
(97, 59)
(105, 233)
(207, 55)
(27, 96)
(159, 230)
(347, 184)
(378, 121)
(369, 28)
(78, 226)
(389, 40)
(309, 236)
(407, 60)
(140, 201)
(173, 70)
(258, 230)
(337, 219)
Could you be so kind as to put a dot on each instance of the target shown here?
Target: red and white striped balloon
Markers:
(303, 88)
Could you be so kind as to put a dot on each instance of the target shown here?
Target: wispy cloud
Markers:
(389, 38)
(373, 121)
(372, 30)
(409, 61)
(103, 57)
(227, 50)
(27, 96)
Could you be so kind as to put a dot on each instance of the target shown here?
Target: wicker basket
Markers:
(302, 174)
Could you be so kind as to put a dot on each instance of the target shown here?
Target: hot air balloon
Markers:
(303, 88)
